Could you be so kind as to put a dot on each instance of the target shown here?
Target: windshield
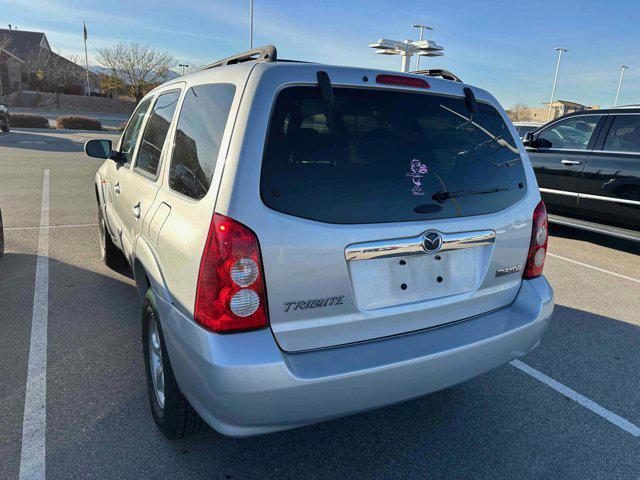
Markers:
(385, 156)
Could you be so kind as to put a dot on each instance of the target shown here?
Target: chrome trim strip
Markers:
(584, 152)
(608, 199)
(589, 196)
(594, 153)
(595, 227)
(400, 247)
(558, 192)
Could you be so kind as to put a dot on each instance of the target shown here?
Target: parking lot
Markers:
(505, 424)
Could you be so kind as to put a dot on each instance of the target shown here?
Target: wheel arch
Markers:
(99, 191)
(147, 271)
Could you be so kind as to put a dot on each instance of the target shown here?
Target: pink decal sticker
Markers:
(418, 170)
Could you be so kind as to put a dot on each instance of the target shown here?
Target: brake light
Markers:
(230, 294)
(402, 81)
(538, 245)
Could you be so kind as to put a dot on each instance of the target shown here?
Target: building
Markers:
(558, 108)
(28, 63)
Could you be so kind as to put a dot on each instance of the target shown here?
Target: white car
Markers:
(310, 241)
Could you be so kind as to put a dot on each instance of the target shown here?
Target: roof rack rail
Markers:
(439, 72)
(267, 53)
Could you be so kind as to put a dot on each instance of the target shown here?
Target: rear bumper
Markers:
(243, 384)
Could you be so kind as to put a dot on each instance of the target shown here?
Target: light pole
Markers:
(422, 28)
(406, 49)
(560, 51)
(622, 69)
(183, 65)
(250, 24)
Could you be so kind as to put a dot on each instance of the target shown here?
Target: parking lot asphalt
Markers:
(502, 425)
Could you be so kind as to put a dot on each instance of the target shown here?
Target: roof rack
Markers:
(439, 72)
(631, 105)
(267, 53)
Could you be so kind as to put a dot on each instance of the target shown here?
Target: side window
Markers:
(155, 133)
(130, 135)
(201, 123)
(624, 134)
(572, 133)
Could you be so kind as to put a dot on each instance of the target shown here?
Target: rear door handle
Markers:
(570, 162)
(116, 188)
(136, 210)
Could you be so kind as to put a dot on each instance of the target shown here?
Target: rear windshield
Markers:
(380, 156)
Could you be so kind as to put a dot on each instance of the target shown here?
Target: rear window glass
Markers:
(380, 156)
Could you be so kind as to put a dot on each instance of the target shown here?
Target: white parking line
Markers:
(32, 456)
(77, 225)
(631, 279)
(617, 420)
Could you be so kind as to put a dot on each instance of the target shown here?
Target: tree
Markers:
(135, 68)
(519, 112)
(4, 43)
(51, 71)
(192, 68)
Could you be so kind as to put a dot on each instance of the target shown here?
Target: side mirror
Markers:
(98, 148)
(527, 141)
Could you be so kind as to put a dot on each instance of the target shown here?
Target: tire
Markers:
(5, 127)
(172, 412)
(111, 255)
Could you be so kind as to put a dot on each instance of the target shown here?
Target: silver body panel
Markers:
(248, 383)
(245, 385)
(312, 253)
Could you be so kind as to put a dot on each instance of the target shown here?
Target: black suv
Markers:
(588, 169)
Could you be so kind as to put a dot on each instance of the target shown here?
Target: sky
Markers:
(506, 47)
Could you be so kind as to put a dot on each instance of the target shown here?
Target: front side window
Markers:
(155, 133)
(387, 156)
(524, 129)
(130, 135)
(624, 134)
(201, 124)
(570, 134)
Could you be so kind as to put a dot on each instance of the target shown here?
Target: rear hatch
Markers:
(382, 211)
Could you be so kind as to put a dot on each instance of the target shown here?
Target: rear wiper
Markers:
(442, 196)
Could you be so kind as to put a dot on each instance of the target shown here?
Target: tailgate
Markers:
(329, 285)
(380, 211)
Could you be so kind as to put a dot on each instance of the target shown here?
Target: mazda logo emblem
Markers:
(432, 242)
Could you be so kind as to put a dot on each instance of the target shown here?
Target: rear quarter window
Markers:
(203, 118)
(386, 156)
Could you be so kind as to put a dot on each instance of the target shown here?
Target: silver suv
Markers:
(310, 241)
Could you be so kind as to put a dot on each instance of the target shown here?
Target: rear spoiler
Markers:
(439, 72)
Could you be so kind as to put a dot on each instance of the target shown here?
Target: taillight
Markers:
(538, 245)
(231, 293)
(402, 81)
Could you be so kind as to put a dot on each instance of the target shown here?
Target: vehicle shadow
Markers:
(99, 424)
(603, 240)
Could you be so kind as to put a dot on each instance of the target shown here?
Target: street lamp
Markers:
(406, 49)
(622, 69)
(555, 80)
(422, 28)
